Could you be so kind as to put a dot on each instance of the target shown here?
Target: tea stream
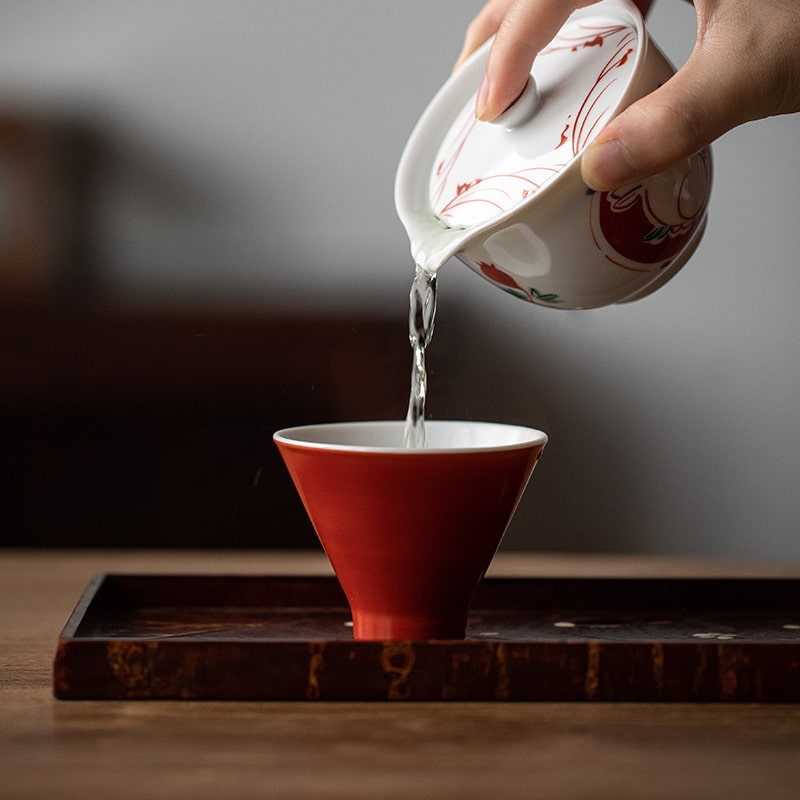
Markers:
(421, 313)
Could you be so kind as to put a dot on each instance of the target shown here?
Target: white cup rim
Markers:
(386, 436)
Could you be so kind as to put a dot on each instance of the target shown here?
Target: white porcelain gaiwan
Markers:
(507, 197)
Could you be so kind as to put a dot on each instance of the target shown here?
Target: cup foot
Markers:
(371, 626)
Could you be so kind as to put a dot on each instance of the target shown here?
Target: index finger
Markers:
(482, 28)
(527, 28)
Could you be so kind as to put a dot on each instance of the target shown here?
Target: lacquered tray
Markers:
(278, 638)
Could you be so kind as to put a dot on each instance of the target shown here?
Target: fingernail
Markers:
(607, 165)
(480, 103)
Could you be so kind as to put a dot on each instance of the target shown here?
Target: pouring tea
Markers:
(506, 197)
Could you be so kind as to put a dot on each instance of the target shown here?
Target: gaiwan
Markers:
(507, 198)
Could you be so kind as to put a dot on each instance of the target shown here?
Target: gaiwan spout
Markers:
(433, 243)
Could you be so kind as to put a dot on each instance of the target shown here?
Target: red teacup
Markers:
(410, 532)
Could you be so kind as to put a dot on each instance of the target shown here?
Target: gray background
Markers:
(249, 151)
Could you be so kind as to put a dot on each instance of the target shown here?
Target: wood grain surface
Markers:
(266, 637)
(124, 749)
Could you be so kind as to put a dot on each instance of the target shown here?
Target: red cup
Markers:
(410, 532)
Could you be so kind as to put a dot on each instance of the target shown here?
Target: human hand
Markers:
(744, 66)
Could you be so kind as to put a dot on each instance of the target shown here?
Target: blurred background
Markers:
(198, 245)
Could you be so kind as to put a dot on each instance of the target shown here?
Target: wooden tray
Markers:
(277, 638)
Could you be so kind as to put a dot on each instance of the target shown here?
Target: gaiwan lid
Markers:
(466, 173)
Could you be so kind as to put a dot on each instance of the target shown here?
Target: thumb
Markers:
(692, 109)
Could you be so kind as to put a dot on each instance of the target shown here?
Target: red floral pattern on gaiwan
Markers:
(506, 282)
(481, 172)
(643, 227)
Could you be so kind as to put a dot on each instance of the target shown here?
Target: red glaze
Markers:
(410, 533)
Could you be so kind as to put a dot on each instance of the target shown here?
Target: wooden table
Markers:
(51, 748)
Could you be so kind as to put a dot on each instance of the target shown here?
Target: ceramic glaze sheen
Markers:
(508, 199)
(483, 170)
(410, 533)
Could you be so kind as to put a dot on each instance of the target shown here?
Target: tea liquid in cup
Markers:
(410, 532)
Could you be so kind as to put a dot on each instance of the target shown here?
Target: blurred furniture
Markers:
(43, 175)
(153, 428)
(140, 427)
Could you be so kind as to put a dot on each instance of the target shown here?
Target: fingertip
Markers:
(493, 101)
(606, 165)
